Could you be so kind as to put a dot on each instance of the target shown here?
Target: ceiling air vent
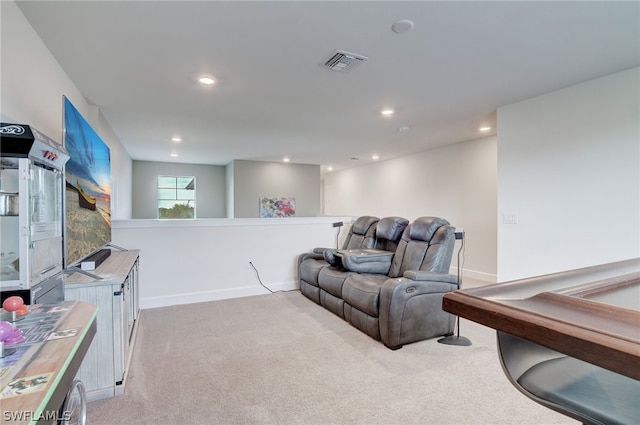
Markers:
(343, 61)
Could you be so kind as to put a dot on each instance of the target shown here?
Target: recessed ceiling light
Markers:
(174, 155)
(402, 26)
(176, 139)
(387, 112)
(207, 81)
(286, 159)
(374, 157)
(485, 128)
(329, 168)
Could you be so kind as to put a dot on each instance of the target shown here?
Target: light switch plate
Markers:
(510, 218)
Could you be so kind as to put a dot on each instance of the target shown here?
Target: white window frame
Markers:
(163, 197)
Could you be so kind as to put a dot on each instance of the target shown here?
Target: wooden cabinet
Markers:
(104, 368)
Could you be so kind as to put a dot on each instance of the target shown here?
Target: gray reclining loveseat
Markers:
(401, 302)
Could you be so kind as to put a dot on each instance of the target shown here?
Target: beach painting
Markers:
(277, 207)
(88, 188)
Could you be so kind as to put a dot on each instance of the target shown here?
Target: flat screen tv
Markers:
(88, 189)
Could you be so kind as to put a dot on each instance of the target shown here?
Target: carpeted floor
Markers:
(281, 359)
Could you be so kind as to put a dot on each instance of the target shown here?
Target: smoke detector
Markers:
(343, 61)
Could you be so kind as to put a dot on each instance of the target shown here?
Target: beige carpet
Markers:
(281, 359)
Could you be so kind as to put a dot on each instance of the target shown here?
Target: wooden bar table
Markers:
(36, 378)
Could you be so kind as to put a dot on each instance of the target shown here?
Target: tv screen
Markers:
(88, 188)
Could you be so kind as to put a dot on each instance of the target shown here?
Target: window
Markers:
(176, 197)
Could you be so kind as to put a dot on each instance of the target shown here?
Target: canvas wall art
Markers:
(277, 207)
(88, 188)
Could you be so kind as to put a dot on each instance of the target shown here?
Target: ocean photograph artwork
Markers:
(88, 188)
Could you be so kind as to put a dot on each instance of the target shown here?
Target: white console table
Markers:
(104, 368)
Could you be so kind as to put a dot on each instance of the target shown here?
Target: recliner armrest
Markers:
(320, 250)
(430, 276)
(307, 255)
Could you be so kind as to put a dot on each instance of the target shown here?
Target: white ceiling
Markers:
(138, 62)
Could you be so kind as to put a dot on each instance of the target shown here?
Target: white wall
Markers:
(569, 168)
(456, 182)
(32, 85)
(187, 261)
(255, 179)
(121, 170)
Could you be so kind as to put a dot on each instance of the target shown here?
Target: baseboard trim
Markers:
(474, 274)
(249, 291)
(216, 295)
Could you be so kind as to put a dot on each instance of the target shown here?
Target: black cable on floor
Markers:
(265, 286)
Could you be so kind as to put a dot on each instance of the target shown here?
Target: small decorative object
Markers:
(6, 330)
(13, 304)
(9, 336)
(277, 207)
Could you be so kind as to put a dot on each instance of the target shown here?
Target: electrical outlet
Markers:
(509, 218)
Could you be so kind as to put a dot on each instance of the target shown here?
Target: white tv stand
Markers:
(114, 289)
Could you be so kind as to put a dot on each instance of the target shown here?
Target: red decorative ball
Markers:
(13, 303)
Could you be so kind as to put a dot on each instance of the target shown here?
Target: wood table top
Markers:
(578, 323)
(30, 376)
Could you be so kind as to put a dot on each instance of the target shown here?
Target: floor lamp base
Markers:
(455, 340)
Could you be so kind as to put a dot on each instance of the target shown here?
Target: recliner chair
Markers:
(405, 305)
(361, 235)
(330, 279)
